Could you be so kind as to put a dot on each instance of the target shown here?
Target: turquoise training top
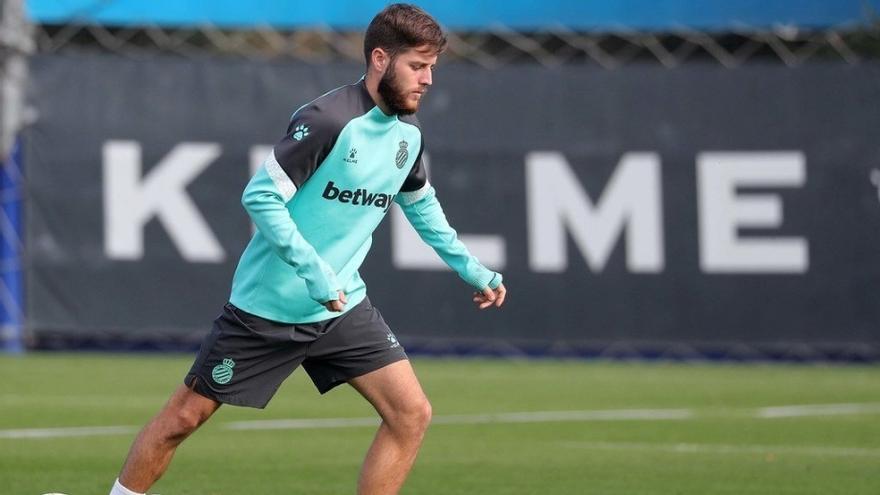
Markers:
(320, 195)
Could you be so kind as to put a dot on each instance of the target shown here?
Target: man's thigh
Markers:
(392, 389)
(355, 344)
(244, 359)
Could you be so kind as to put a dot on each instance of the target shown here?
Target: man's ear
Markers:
(380, 59)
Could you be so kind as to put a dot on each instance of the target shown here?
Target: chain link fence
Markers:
(489, 49)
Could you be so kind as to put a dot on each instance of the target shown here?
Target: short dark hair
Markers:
(402, 26)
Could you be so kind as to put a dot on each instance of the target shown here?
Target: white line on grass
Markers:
(87, 401)
(301, 424)
(556, 416)
(77, 431)
(462, 419)
(817, 410)
(695, 448)
(321, 423)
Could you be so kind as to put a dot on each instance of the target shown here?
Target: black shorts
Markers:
(245, 358)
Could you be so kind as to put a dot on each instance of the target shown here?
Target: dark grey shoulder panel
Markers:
(418, 175)
(411, 119)
(314, 128)
(345, 103)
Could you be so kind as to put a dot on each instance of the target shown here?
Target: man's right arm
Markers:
(266, 206)
(309, 138)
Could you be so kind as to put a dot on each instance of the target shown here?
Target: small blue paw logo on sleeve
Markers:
(300, 132)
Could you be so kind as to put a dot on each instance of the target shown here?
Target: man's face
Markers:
(406, 80)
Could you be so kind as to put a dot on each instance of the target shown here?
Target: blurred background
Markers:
(683, 196)
(659, 179)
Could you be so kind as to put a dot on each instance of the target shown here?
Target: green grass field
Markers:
(643, 428)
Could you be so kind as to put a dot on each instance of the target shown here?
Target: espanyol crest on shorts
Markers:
(222, 373)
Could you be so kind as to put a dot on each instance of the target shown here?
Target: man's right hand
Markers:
(338, 305)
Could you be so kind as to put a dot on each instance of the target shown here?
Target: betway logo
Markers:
(360, 197)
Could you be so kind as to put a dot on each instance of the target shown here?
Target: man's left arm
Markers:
(424, 212)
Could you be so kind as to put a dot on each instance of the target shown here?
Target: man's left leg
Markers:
(396, 394)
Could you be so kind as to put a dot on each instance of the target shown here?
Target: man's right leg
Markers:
(154, 446)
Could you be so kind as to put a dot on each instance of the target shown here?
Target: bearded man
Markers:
(297, 298)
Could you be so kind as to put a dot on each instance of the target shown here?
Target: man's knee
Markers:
(185, 421)
(424, 412)
(414, 416)
(184, 414)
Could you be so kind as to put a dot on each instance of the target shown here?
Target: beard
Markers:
(393, 95)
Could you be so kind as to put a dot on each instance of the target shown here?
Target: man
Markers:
(296, 296)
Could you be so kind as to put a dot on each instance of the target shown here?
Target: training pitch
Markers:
(500, 427)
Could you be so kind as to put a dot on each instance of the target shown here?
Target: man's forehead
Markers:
(425, 54)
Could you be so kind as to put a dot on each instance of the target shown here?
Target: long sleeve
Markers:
(266, 205)
(424, 212)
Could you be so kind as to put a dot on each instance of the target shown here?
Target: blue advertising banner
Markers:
(623, 15)
(11, 253)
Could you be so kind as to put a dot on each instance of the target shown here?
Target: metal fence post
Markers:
(16, 43)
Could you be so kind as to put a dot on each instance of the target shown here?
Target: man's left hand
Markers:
(490, 297)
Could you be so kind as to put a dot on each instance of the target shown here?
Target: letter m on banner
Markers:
(558, 206)
(131, 200)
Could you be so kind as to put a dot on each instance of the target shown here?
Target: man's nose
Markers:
(427, 78)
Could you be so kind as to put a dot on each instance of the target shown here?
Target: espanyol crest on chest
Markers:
(402, 154)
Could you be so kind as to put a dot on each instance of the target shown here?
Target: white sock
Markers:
(118, 489)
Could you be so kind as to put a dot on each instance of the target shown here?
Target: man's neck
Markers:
(371, 81)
